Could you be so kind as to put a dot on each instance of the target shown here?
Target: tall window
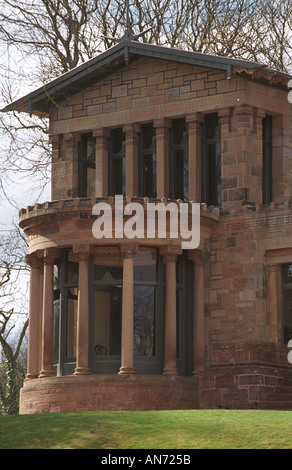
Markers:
(65, 313)
(179, 161)
(211, 161)
(287, 302)
(147, 162)
(87, 166)
(117, 163)
(267, 160)
(106, 317)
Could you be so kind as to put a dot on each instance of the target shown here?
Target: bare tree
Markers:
(12, 368)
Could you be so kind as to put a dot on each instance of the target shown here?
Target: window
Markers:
(65, 313)
(287, 302)
(267, 160)
(117, 163)
(211, 161)
(87, 166)
(147, 162)
(179, 161)
(107, 306)
(145, 277)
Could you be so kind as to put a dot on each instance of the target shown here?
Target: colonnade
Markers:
(41, 311)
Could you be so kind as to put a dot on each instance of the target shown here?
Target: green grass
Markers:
(196, 429)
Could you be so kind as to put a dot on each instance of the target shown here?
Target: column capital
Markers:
(70, 136)
(84, 251)
(129, 249)
(101, 134)
(170, 252)
(273, 268)
(33, 260)
(49, 254)
(195, 117)
(198, 257)
(162, 123)
(131, 130)
(225, 116)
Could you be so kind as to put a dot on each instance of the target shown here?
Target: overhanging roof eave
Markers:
(70, 82)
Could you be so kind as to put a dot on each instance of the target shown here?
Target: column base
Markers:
(126, 370)
(170, 371)
(46, 373)
(81, 371)
(30, 377)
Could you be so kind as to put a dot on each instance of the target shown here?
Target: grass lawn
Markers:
(196, 429)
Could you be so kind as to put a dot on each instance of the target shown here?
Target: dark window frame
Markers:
(286, 285)
(267, 151)
(179, 154)
(85, 162)
(211, 194)
(147, 183)
(115, 157)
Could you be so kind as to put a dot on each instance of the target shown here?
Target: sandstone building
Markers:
(138, 324)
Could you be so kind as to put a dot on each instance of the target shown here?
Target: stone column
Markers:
(127, 353)
(274, 302)
(195, 155)
(199, 311)
(48, 314)
(35, 317)
(71, 164)
(170, 255)
(101, 161)
(82, 348)
(162, 150)
(131, 131)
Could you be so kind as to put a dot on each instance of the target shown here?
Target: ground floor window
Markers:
(287, 302)
(105, 311)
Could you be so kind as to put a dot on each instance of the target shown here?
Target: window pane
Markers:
(144, 320)
(147, 165)
(108, 320)
(211, 165)
(181, 174)
(71, 321)
(87, 166)
(118, 176)
(56, 335)
(90, 148)
(71, 269)
(90, 181)
(108, 265)
(179, 133)
(145, 263)
(179, 177)
(287, 273)
(287, 314)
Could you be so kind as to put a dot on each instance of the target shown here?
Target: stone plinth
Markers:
(108, 393)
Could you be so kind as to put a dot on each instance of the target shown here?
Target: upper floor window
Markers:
(117, 163)
(87, 166)
(267, 160)
(147, 162)
(179, 161)
(211, 160)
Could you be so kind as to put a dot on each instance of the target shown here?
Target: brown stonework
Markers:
(231, 318)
